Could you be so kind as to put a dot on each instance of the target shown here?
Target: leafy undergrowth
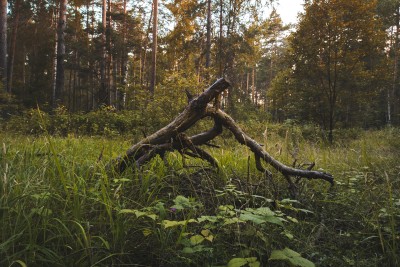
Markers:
(60, 207)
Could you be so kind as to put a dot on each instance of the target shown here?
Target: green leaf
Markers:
(181, 203)
(21, 263)
(139, 213)
(228, 221)
(205, 232)
(225, 207)
(152, 216)
(259, 219)
(291, 257)
(196, 239)
(292, 219)
(188, 250)
(283, 254)
(262, 211)
(168, 223)
(195, 249)
(254, 264)
(147, 231)
(288, 234)
(237, 262)
(127, 211)
(275, 220)
(208, 218)
(288, 200)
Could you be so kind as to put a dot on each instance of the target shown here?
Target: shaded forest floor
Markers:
(60, 207)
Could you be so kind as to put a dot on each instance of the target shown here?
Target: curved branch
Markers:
(204, 138)
(244, 139)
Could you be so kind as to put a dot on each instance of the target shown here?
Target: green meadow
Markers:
(61, 206)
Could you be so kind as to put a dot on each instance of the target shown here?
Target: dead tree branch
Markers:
(172, 137)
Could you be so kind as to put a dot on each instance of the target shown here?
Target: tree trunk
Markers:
(124, 65)
(208, 42)
(391, 92)
(13, 45)
(220, 48)
(3, 42)
(154, 50)
(172, 137)
(62, 22)
(253, 86)
(103, 94)
(54, 84)
(109, 68)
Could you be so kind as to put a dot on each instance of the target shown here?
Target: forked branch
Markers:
(172, 137)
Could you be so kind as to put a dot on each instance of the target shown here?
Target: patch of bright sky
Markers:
(288, 10)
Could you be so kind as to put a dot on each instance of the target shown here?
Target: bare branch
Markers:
(172, 137)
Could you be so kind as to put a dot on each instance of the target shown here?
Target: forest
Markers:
(199, 133)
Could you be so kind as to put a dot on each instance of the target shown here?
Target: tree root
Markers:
(172, 137)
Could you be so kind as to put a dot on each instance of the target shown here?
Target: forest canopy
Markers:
(336, 68)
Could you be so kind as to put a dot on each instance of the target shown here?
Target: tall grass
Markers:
(60, 207)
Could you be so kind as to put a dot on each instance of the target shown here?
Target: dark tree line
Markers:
(337, 68)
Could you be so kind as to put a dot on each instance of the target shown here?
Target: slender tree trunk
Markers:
(70, 97)
(3, 42)
(114, 82)
(247, 84)
(253, 86)
(103, 84)
(13, 46)
(208, 42)
(74, 85)
(88, 82)
(220, 38)
(124, 65)
(109, 75)
(391, 92)
(23, 66)
(62, 21)
(154, 50)
(143, 56)
(92, 65)
(54, 86)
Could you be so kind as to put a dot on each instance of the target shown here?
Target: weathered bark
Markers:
(3, 42)
(172, 137)
(103, 91)
(62, 22)
(13, 43)
(154, 50)
(208, 42)
(391, 91)
(124, 65)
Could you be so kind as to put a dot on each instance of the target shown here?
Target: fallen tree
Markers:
(172, 137)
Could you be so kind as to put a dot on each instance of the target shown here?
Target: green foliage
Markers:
(237, 262)
(105, 121)
(59, 207)
(9, 105)
(147, 116)
(290, 256)
(336, 66)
